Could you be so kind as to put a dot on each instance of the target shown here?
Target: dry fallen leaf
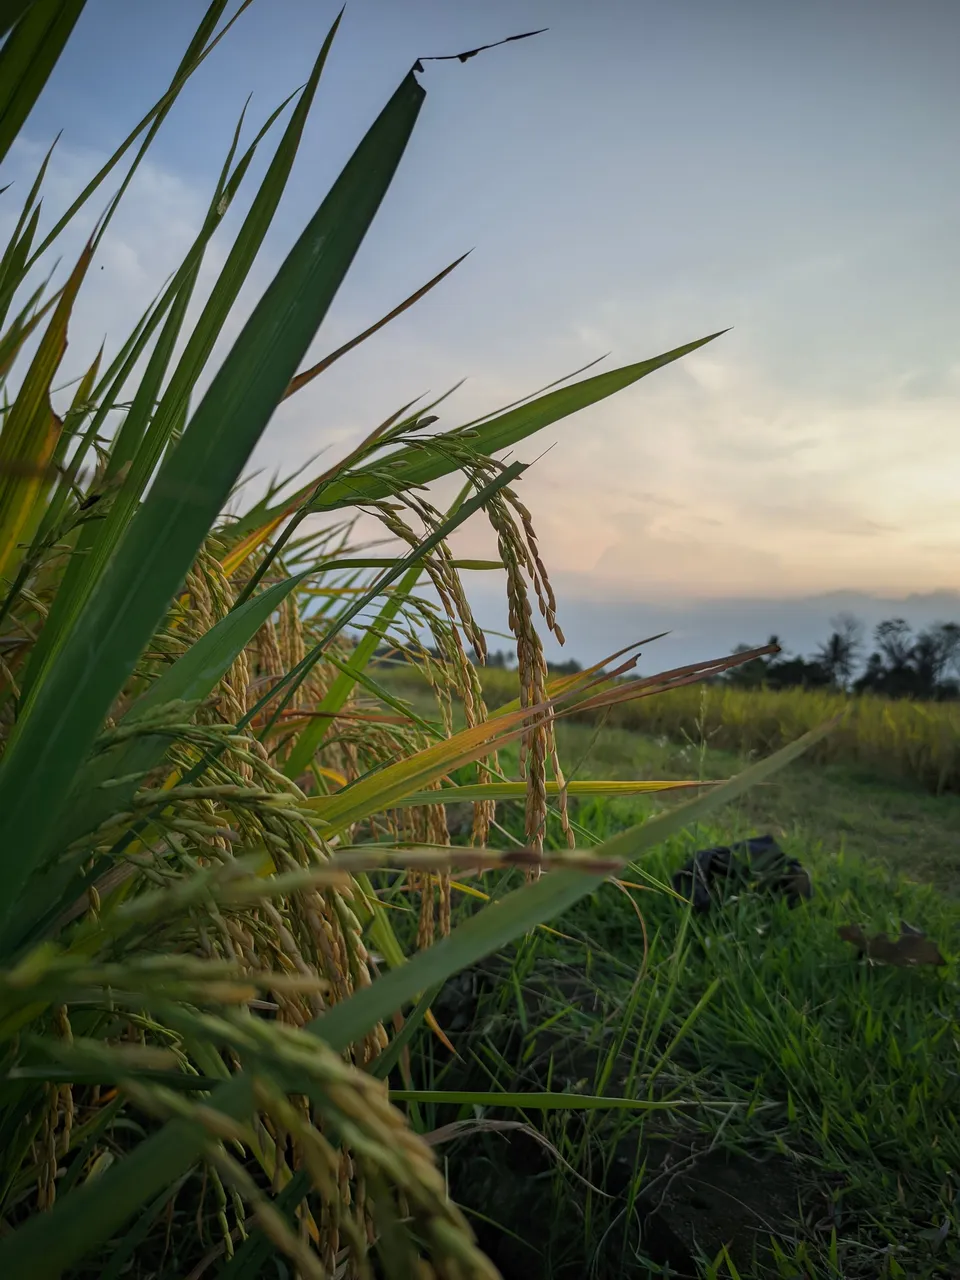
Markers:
(911, 948)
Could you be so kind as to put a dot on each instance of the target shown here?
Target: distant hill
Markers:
(596, 626)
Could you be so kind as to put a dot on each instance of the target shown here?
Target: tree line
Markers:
(900, 663)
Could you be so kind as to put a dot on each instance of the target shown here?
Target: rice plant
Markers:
(196, 1040)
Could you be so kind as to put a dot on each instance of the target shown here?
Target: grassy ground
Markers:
(802, 1105)
(898, 826)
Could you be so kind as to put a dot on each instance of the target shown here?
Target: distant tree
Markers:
(890, 671)
(919, 666)
(935, 654)
(839, 655)
(948, 638)
(570, 668)
(872, 677)
(926, 660)
(798, 673)
(894, 642)
(925, 666)
(753, 674)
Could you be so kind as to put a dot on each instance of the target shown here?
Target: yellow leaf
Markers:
(31, 430)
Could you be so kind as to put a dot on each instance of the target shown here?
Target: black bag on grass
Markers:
(758, 864)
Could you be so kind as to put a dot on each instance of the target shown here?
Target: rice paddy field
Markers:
(895, 740)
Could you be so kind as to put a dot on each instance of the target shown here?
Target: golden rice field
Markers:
(908, 740)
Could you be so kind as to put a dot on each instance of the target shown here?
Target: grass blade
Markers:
(518, 790)
(308, 375)
(542, 1101)
(148, 426)
(20, 330)
(200, 48)
(31, 51)
(410, 466)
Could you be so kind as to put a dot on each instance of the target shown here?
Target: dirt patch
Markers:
(692, 1201)
(700, 1202)
(690, 1206)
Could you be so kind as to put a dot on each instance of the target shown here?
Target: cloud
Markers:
(148, 237)
(723, 473)
(750, 495)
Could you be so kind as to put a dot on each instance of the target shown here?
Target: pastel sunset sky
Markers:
(640, 175)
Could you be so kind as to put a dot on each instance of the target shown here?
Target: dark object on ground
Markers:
(757, 864)
(913, 947)
(455, 1007)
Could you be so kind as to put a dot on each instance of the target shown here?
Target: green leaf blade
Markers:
(187, 496)
(36, 40)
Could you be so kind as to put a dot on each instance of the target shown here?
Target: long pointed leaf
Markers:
(517, 791)
(148, 426)
(31, 51)
(409, 467)
(308, 375)
(189, 492)
(263, 521)
(44, 516)
(31, 430)
(201, 46)
(20, 329)
(52, 508)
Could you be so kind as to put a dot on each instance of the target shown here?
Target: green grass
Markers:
(898, 826)
(819, 1132)
(831, 1085)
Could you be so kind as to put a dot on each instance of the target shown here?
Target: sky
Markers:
(638, 176)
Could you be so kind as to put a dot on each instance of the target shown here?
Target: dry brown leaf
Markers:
(913, 947)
